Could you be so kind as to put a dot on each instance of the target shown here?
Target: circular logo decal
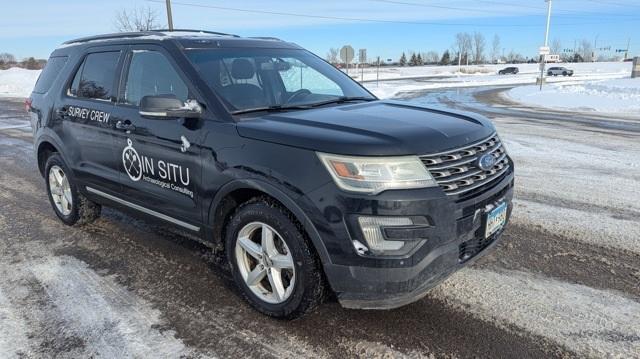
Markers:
(131, 161)
(486, 162)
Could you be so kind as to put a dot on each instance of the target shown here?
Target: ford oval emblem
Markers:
(486, 162)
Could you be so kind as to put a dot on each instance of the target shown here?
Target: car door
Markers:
(160, 166)
(84, 111)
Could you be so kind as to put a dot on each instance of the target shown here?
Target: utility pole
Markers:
(546, 42)
(169, 16)
(626, 53)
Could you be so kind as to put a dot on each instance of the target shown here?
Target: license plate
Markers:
(496, 219)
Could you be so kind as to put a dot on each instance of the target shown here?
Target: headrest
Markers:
(242, 69)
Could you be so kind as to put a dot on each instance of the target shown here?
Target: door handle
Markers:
(125, 125)
(62, 112)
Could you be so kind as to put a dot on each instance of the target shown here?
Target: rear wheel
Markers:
(272, 262)
(69, 205)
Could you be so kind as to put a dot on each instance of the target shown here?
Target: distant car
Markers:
(555, 71)
(508, 70)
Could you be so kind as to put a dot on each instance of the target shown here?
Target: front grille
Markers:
(470, 248)
(457, 171)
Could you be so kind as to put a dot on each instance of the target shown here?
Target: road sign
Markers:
(544, 50)
(346, 53)
(362, 56)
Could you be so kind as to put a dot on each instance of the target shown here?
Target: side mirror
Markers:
(168, 106)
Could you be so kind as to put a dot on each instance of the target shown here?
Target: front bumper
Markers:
(457, 239)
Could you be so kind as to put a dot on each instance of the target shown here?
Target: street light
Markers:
(546, 43)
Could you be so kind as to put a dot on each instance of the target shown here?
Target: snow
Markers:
(592, 322)
(407, 79)
(612, 96)
(17, 82)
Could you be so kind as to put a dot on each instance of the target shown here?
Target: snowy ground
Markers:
(406, 79)
(17, 82)
(612, 96)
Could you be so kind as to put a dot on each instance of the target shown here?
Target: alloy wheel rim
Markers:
(265, 262)
(60, 190)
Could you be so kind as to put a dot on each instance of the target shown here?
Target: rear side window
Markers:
(95, 77)
(151, 74)
(50, 73)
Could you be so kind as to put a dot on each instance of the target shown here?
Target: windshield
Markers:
(248, 79)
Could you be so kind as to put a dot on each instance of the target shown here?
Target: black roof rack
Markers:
(199, 31)
(121, 35)
(265, 38)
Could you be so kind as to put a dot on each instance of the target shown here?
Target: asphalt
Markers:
(121, 287)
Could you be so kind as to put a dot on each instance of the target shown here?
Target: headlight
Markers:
(373, 175)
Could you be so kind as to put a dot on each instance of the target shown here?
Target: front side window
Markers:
(246, 79)
(96, 76)
(151, 74)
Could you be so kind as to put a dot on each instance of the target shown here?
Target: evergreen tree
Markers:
(419, 60)
(414, 60)
(403, 60)
(446, 58)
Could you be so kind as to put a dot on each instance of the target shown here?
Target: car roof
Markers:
(185, 38)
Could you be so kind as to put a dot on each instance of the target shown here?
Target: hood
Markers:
(379, 128)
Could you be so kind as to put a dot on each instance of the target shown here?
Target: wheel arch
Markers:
(238, 191)
(44, 148)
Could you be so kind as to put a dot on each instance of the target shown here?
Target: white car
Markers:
(555, 71)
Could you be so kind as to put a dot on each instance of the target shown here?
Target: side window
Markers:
(151, 74)
(300, 76)
(50, 73)
(95, 77)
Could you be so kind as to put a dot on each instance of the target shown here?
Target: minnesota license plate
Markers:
(496, 219)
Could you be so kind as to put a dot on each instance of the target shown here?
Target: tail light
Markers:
(27, 104)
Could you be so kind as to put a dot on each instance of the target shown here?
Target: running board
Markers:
(144, 209)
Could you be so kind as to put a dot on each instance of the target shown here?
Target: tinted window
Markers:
(95, 78)
(151, 74)
(50, 73)
(261, 77)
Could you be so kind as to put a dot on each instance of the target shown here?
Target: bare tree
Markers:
(556, 47)
(137, 19)
(478, 48)
(463, 46)
(585, 50)
(431, 57)
(6, 57)
(332, 55)
(495, 48)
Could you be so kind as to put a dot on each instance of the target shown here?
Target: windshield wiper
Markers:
(273, 108)
(342, 99)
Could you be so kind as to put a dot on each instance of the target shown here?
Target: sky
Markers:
(386, 28)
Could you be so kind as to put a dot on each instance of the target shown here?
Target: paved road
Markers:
(563, 283)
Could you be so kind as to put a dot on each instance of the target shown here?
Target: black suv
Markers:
(301, 179)
(509, 70)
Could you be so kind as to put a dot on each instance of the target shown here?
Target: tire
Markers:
(306, 276)
(549, 73)
(500, 73)
(79, 210)
(564, 73)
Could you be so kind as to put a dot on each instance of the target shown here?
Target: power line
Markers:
(327, 17)
(613, 3)
(468, 10)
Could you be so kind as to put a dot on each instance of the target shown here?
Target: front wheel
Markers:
(69, 205)
(272, 262)
(564, 73)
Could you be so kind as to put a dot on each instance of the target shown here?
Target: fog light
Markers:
(372, 231)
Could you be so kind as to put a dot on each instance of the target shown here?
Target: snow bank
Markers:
(17, 82)
(398, 80)
(613, 96)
